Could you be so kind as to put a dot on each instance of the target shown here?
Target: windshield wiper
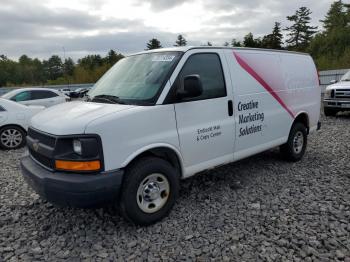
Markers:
(107, 99)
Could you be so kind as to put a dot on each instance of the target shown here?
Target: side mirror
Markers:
(192, 87)
(333, 81)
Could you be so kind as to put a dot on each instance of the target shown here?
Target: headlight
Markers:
(77, 148)
(81, 153)
(327, 93)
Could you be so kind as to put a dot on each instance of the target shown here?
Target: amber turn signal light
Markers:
(78, 165)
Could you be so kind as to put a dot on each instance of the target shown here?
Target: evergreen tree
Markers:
(25, 69)
(154, 43)
(4, 70)
(331, 48)
(181, 41)
(53, 67)
(250, 41)
(68, 66)
(275, 39)
(235, 43)
(112, 57)
(39, 74)
(336, 17)
(24, 60)
(300, 32)
(91, 61)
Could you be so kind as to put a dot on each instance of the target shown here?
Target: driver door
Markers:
(205, 124)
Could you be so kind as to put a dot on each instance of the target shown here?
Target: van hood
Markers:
(340, 85)
(73, 117)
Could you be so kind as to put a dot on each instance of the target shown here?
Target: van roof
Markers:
(186, 48)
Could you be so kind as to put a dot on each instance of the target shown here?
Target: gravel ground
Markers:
(261, 208)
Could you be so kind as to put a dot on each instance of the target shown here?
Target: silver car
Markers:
(36, 96)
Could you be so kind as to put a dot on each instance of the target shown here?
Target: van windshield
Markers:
(346, 77)
(137, 79)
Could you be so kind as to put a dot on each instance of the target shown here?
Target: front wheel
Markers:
(295, 147)
(149, 191)
(11, 137)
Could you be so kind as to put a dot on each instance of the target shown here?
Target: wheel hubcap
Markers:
(298, 142)
(153, 193)
(11, 138)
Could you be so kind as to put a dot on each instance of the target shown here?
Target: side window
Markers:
(23, 96)
(51, 94)
(208, 67)
(39, 94)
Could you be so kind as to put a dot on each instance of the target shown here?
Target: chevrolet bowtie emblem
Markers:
(36, 146)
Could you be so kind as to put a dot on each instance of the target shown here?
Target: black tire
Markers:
(15, 145)
(329, 111)
(290, 150)
(130, 198)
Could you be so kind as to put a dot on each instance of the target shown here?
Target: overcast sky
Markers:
(41, 28)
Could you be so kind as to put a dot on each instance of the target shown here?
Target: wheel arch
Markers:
(15, 125)
(164, 151)
(302, 117)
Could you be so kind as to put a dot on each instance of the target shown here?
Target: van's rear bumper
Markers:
(71, 189)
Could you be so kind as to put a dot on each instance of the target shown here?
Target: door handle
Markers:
(230, 107)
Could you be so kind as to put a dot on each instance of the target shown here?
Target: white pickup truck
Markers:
(160, 116)
(337, 96)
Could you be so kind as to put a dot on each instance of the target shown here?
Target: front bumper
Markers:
(71, 189)
(337, 104)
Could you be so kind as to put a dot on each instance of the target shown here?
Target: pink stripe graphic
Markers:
(258, 78)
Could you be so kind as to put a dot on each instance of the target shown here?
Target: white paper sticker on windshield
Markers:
(163, 58)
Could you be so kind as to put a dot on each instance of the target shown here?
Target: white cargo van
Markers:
(160, 116)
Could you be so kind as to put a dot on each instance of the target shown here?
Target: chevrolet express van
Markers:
(160, 116)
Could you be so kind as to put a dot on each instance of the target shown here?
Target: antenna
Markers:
(64, 65)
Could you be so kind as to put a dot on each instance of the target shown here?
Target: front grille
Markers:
(43, 138)
(39, 154)
(342, 93)
(44, 160)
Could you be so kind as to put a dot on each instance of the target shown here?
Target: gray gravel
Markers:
(261, 208)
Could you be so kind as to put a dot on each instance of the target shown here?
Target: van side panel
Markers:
(301, 79)
(263, 115)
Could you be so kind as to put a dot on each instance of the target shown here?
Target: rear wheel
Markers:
(11, 137)
(295, 147)
(149, 191)
(330, 111)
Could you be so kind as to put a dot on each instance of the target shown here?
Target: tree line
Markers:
(330, 48)
(55, 70)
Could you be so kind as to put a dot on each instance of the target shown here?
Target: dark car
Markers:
(79, 92)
